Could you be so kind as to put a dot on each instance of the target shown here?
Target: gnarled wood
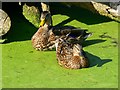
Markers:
(5, 22)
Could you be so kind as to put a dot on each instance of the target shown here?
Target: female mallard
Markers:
(70, 55)
(46, 35)
(43, 38)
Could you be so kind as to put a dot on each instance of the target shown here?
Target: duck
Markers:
(47, 34)
(70, 55)
(44, 38)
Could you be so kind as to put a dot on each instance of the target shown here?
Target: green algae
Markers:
(24, 67)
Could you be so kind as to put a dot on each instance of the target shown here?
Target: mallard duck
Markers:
(43, 38)
(70, 55)
(46, 35)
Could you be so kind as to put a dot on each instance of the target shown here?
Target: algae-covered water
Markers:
(24, 67)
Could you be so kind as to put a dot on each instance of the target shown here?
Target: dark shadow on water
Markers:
(91, 42)
(77, 13)
(64, 22)
(21, 31)
(96, 61)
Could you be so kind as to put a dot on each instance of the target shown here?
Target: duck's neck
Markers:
(46, 25)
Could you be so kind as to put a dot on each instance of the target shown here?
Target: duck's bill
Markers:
(42, 22)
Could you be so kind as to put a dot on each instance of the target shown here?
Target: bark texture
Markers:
(5, 22)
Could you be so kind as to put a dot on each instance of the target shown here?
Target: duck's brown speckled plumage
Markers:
(70, 55)
(43, 39)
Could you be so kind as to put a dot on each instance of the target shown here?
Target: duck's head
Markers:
(46, 19)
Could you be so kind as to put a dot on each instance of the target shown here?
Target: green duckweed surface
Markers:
(24, 67)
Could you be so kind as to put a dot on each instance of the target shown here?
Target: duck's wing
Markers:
(72, 31)
(63, 30)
